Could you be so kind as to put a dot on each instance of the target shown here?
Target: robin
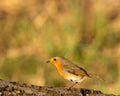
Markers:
(69, 70)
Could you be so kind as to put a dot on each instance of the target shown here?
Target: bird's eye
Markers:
(54, 59)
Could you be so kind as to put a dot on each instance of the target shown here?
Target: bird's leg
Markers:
(73, 85)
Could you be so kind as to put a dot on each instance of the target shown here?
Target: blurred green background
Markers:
(85, 31)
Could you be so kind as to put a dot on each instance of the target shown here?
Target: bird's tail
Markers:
(96, 77)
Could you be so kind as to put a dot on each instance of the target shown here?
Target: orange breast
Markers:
(60, 69)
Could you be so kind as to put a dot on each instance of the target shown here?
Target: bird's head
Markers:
(55, 60)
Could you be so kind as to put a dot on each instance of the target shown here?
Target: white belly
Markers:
(74, 78)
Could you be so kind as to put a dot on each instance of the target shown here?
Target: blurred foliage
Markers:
(85, 31)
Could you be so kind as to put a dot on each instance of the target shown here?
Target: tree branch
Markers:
(8, 88)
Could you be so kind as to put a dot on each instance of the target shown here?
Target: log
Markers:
(10, 88)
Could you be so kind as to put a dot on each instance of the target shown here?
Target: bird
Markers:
(68, 70)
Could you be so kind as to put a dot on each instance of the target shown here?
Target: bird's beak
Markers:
(48, 61)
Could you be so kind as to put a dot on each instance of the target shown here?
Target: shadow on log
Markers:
(8, 88)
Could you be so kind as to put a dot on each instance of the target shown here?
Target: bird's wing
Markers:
(76, 70)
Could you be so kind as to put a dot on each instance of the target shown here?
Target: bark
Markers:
(10, 88)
